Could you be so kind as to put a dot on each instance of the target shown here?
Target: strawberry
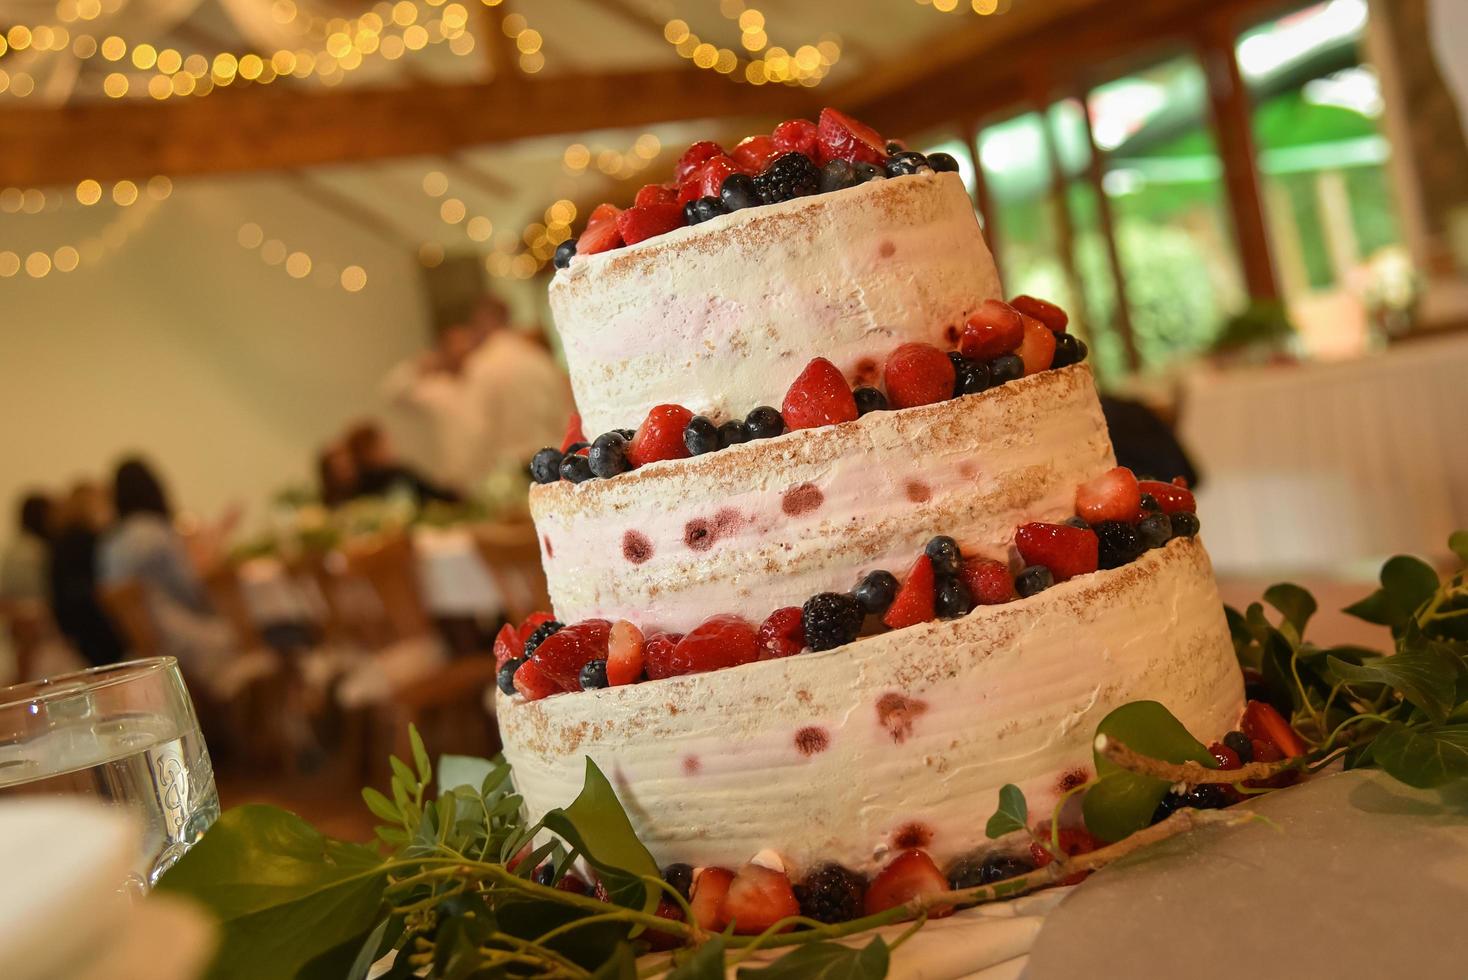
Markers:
(988, 581)
(1112, 496)
(918, 374)
(507, 645)
(573, 436)
(754, 153)
(909, 875)
(1171, 498)
(660, 436)
(717, 642)
(602, 213)
(707, 179)
(657, 653)
(914, 602)
(819, 396)
(646, 221)
(662, 941)
(1067, 551)
(533, 682)
(599, 237)
(796, 136)
(531, 622)
(656, 194)
(1261, 721)
(561, 657)
(994, 328)
(694, 156)
(1037, 349)
(782, 634)
(1043, 310)
(1073, 841)
(840, 137)
(1227, 757)
(707, 898)
(757, 899)
(624, 654)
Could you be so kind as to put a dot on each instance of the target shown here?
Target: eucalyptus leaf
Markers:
(1423, 757)
(420, 755)
(464, 770)
(401, 772)
(1123, 802)
(382, 808)
(596, 825)
(706, 963)
(1294, 603)
(1425, 677)
(826, 961)
(1013, 813)
(370, 950)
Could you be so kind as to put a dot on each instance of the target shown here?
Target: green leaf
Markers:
(283, 893)
(463, 770)
(1458, 542)
(596, 825)
(401, 772)
(621, 965)
(1013, 813)
(1375, 608)
(1406, 583)
(420, 755)
(382, 808)
(1297, 605)
(1423, 757)
(706, 963)
(1122, 802)
(827, 961)
(1424, 677)
(371, 951)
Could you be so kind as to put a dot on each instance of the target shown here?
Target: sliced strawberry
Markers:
(754, 153)
(707, 179)
(1171, 498)
(600, 237)
(573, 435)
(646, 221)
(842, 138)
(993, 329)
(602, 213)
(1227, 757)
(717, 642)
(533, 682)
(1043, 310)
(988, 581)
(660, 436)
(911, 874)
(796, 136)
(694, 156)
(819, 396)
(661, 941)
(1261, 721)
(757, 899)
(706, 898)
(782, 634)
(656, 194)
(1037, 349)
(562, 656)
(657, 654)
(1112, 496)
(914, 602)
(624, 654)
(507, 645)
(1073, 841)
(918, 374)
(1067, 551)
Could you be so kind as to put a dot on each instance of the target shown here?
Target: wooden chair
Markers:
(127, 604)
(511, 552)
(28, 621)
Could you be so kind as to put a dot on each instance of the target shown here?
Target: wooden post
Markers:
(1060, 203)
(1096, 172)
(983, 200)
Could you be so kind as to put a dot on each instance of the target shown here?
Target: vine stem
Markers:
(1189, 772)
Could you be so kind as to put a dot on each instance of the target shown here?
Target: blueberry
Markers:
(627, 434)
(564, 253)
(709, 207)
(1033, 580)
(608, 455)
(1068, 350)
(895, 146)
(1242, 745)
(1155, 530)
(831, 894)
(966, 872)
(1119, 543)
(680, 876)
(1006, 368)
(690, 213)
(875, 592)
(576, 447)
(869, 400)
(506, 678)
(867, 171)
(832, 619)
(1150, 504)
(1184, 524)
(575, 468)
(540, 634)
(545, 874)
(738, 192)
(1001, 867)
(943, 163)
(836, 175)
(545, 466)
(1079, 522)
(764, 423)
(969, 377)
(700, 435)
(732, 433)
(1166, 806)
(944, 553)
(952, 598)
(906, 162)
(1208, 796)
(594, 675)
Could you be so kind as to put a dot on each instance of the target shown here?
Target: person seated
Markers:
(380, 472)
(72, 581)
(336, 474)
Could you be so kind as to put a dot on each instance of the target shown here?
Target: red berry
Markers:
(657, 653)
(600, 237)
(911, 874)
(532, 621)
(1073, 841)
(1265, 750)
(988, 581)
(694, 156)
(1037, 349)
(707, 179)
(918, 374)
(782, 634)
(507, 645)
(1171, 498)
(754, 153)
(662, 941)
(842, 138)
(819, 396)
(914, 602)
(573, 435)
(660, 436)
(1112, 496)
(1043, 310)
(624, 654)
(993, 329)
(571, 882)
(1067, 551)
(1227, 757)
(717, 642)
(1261, 721)
(656, 194)
(706, 898)
(566, 651)
(602, 213)
(757, 899)
(648, 221)
(533, 682)
(796, 136)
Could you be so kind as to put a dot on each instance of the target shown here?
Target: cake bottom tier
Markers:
(896, 740)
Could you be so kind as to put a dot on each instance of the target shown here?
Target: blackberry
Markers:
(952, 598)
(1068, 350)
(1166, 806)
(1242, 745)
(836, 175)
(906, 162)
(732, 433)
(831, 894)
(943, 162)
(1155, 530)
(608, 455)
(540, 634)
(875, 592)
(545, 466)
(575, 468)
(739, 192)
(764, 422)
(869, 400)
(1184, 524)
(700, 435)
(1119, 543)
(506, 677)
(593, 675)
(680, 876)
(565, 252)
(1033, 580)
(1208, 796)
(791, 175)
(1006, 368)
(944, 553)
(966, 872)
(832, 619)
(867, 171)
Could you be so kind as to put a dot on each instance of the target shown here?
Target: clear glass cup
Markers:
(124, 735)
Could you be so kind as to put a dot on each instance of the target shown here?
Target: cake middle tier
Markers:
(768, 524)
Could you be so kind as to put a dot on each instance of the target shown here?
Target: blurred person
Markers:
(380, 472)
(1145, 443)
(75, 603)
(23, 565)
(336, 474)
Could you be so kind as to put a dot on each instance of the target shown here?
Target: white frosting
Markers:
(722, 316)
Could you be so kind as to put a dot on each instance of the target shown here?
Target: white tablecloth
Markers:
(1331, 467)
(452, 575)
(273, 595)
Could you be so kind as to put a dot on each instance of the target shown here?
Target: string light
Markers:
(297, 263)
(981, 7)
(110, 238)
(808, 65)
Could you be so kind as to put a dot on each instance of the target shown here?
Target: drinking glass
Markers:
(124, 735)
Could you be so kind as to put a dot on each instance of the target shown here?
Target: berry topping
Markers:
(1073, 841)
(562, 656)
(910, 875)
(694, 156)
(842, 138)
(575, 468)
(700, 435)
(1155, 530)
(754, 153)
(1170, 498)
(952, 598)
(707, 180)
(1033, 580)
(680, 876)
(624, 654)
(1069, 349)
(869, 400)
(1242, 745)
(696, 212)
(594, 675)
(969, 377)
(831, 894)
(1184, 525)
(972, 872)
(791, 175)
(507, 645)
(764, 422)
(1119, 543)
(533, 683)
(656, 194)
(1006, 368)
(573, 435)
(914, 602)
(506, 677)
(782, 634)
(944, 552)
(602, 213)
(542, 632)
(988, 581)
(739, 192)
(1262, 722)
(1045, 311)
(1037, 350)
(645, 221)
(707, 898)
(1066, 551)
(565, 252)
(943, 163)
(608, 455)
(545, 465)
(660, 436)
(819, 396)
(796, 135)
(867, 171)
(718, 642)
(993, 329)
(832, 619)
(837, 175)
(657, 653)
(918, 374)
(1227, 757)
(758, 898)
(601, 236)
(906, 162)
(732, 433)
(1112, 496)
(875, 592)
